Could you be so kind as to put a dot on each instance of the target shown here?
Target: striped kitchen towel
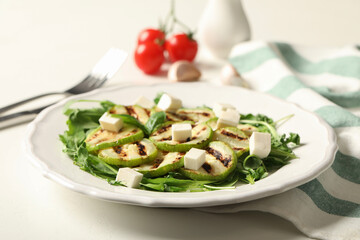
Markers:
(327, 82)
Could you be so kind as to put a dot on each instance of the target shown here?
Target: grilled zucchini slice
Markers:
(140, 113)
(162, 138)
(164, 162)
(234, 137)
(195, 114)
(173, 117)
(247, 129)
(212, 123)
(100, 139)
(220, 161)
(131, 154)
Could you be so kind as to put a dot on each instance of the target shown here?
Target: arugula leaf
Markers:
(280, 145)
(251, 162)
(80, 122)
(251, 168)
(258, 117)
(228, 183)
(106, 105)
(84, 119)
(171, 184)
(262, 122)
(284, 144)
(155, 120)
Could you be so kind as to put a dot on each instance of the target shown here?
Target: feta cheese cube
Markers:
(169, 103)
(194, 159)
(144, 102)
(129, 177)
(107, 122)
(220, 107)
(228, 118)
(181, 131)
(260, 144)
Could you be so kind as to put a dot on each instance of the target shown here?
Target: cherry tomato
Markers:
(151, 35)
(181, 47)
(149, 57)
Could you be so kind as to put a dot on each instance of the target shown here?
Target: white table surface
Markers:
(50, 45)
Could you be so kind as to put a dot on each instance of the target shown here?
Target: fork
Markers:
(104, 69)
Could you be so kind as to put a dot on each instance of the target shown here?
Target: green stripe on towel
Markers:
(328, 203)
(348, 66)
(346, 99)
(249, 61)
(338, 117)
(344, 166)
(286, 86)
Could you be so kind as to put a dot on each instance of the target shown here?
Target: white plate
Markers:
(45, 150)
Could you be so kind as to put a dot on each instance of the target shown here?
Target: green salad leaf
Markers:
(251, 168)
(154, 121)
(131, 120)
(171, 184)
(281, 148)
(80, 122)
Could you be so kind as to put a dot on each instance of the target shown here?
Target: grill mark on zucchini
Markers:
(141, 148)
(96, 135)
(119, 151)
(147, 111)
(131, 111)
(161, 130)
(206, 167)
(132, 132)
(181, 155)
(166, 139)
(169, 118)
(157, 163)
(232, 135)
(219, 156)
(173, 117)
(198, 133)
(238, 148)
(205, 114)
(111, 135)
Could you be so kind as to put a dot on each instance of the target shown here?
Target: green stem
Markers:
(271, 128)
(175, 20)
(283, 119)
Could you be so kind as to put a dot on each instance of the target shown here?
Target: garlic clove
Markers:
(183, 71)
(229, 71)
(230, 76)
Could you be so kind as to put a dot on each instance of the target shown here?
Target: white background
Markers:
(50, 45)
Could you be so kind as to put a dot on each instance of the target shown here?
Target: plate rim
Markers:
(173, 201)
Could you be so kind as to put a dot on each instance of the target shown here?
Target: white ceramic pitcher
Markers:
(222, 25)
